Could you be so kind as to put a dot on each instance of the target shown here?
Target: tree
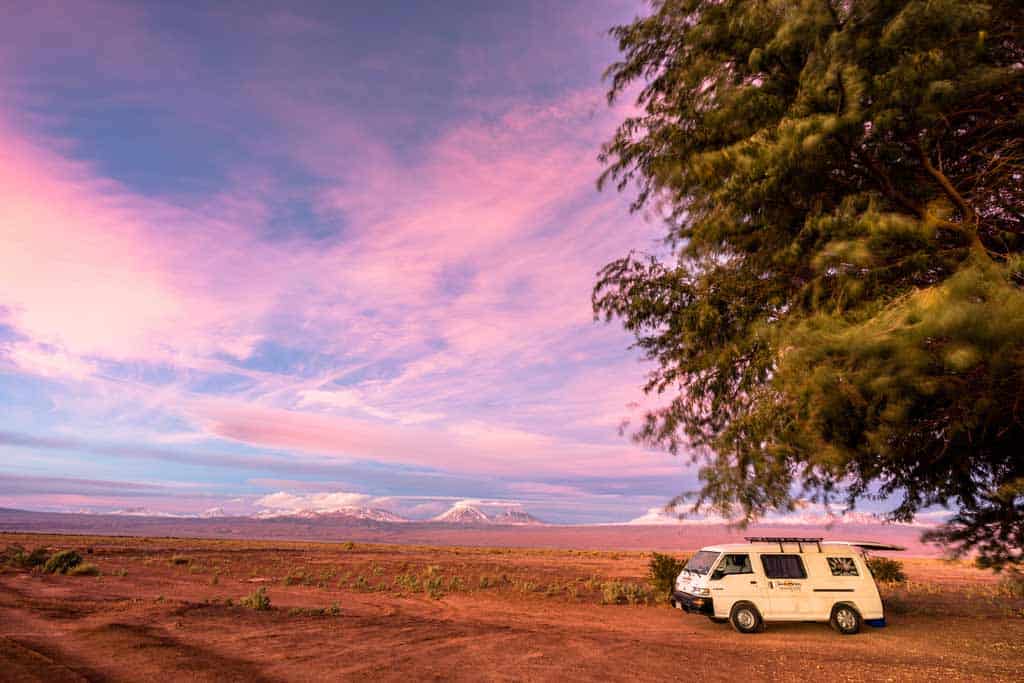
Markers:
(842, 316)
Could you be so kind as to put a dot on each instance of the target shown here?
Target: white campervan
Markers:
(783, 579)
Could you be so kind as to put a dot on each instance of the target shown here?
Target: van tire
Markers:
(845, 619)
(745, 618)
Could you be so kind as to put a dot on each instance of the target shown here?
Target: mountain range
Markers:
(460, 513)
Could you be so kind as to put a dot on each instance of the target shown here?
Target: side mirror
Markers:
(717, 575)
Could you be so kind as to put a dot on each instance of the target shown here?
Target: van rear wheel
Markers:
(845, 619)
(745, 618)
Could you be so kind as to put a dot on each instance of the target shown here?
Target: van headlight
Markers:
(702, 592)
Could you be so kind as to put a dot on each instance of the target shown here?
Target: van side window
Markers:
(842, 566)
(783, 567)
(735, 564)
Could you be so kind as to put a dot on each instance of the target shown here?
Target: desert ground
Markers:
(173, 609)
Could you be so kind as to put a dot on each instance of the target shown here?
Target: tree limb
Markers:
(966, 209)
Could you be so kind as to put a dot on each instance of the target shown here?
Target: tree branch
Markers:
(966, 209)
(886, 185)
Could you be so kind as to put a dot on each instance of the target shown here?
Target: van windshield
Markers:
(702, 562)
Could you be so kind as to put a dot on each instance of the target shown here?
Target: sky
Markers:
(269, 256)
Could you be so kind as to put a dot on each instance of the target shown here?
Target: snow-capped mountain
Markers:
(143, 512)
(348, 512)
(517, 517)
(213, 513)
(463, 514)
(467, 514)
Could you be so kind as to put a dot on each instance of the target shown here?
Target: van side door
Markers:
(788, 587)
(734, 579)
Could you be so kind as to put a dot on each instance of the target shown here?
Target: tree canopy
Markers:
(842, 316)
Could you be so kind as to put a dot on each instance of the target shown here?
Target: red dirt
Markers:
(498, 614)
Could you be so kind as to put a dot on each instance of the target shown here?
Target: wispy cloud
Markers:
(379, 272)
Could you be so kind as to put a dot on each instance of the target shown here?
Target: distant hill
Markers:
(330, 527)
(346, 512)
(467, 514)
(516, 517)
(463, 514)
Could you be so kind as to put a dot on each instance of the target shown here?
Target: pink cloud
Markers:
(467, 447)
(107, 274)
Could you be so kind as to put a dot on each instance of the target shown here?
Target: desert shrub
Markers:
(61, 562)
(294, 578)
(84, 569)
(16, 556)
(409, 582)
(662, 572)
(332, 611)
(619, 593)
(307, 612)
(886, 570)
(8, 554)
(1012, 584)
(179, 559)
(257, 600)
(432, 586)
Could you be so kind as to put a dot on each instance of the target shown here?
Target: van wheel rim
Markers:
(847, 621)
(745, 618)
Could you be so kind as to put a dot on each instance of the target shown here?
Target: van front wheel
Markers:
(745, 618)
(845, 620)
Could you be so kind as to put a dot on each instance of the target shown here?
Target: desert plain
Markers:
(173, 609)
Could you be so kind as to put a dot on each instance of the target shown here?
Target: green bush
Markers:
(257, 600)
(662, 571)
(62, 562)
(886, 570)
(84, 569)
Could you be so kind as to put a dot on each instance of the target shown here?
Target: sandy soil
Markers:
(159, 612)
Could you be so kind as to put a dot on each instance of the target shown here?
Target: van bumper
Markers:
(692, 603)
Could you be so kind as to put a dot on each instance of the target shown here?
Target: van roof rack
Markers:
(799, 540)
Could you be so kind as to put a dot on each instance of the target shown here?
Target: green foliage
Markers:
(257, 600)
(886, 570)
(84, 569)
(841, 314)
(662, 571)
(61, 562)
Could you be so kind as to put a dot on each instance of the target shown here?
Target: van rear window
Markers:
(783, 567)
(842, 566)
